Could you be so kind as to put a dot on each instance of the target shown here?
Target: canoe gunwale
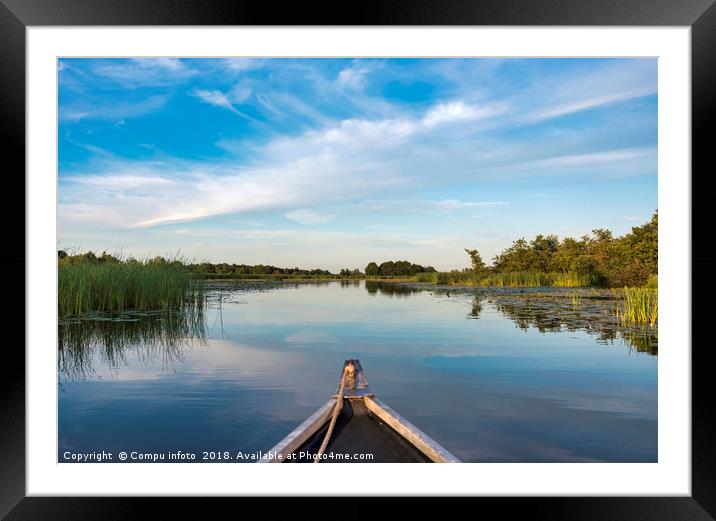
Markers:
(421, 441)
(298, 436)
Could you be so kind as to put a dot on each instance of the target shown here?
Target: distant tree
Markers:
(158, 261)
(371, 269)
(223, 268)
(260, 269)
(542, 252)
(514, 258)
(387, 268)
(206, 267)
(400, 268)
(567, 256)
(88, 257)
(107, 258)
(629, 260)
(403, 268)
(643, 244)
(478, 265)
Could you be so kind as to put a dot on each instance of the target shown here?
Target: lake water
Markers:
(491, 377)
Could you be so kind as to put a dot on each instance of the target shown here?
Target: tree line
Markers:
(396, 268)
(68, 259)
(388, 268)
(65, 258)
(256, 269)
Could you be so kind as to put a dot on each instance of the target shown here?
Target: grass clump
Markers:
(638, 306)
(87, 284)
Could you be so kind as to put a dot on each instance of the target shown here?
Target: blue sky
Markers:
(332, 163)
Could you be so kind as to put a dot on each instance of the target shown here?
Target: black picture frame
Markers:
(17, 15)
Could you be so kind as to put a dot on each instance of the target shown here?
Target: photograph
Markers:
(357, 260)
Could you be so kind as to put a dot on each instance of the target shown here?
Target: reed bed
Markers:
(639, 306)
(118, 286)
(510, 279)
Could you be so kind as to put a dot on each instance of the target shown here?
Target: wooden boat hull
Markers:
(366, 431)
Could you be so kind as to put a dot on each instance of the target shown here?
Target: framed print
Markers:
(420, 235)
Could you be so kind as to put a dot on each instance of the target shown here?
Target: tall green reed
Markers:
(638, 306)
(118, 286)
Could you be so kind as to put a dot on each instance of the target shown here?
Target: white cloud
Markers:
(367, 131)
(307, 216)
(592, 159)
(452, 204)
(389, 131)
(170, 64)
(240, 94)
(219, 99)
(611, 83)
(590, 103)
(111, 111)
(419, 205)
(459, 111)
(268, 104)
(124, 182)
(145, 71)
(72, 114)
(354, 77)
(242, 64)
(213, 97)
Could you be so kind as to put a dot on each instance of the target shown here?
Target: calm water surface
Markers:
(490, 382)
